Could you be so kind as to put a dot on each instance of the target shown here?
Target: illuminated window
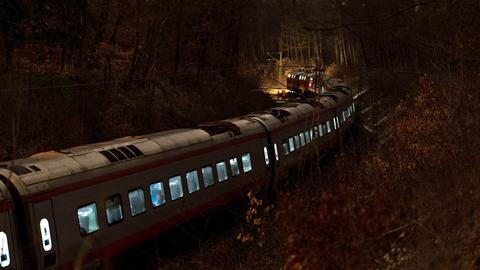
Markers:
(311, 134)
(302, 139)
(328, 127)
(285, 147)
(45, 232)
(157, 194)
(114, 209)
(137, 201)
(192, 181)
(234, 166)
(320, 131)
(291, 144)
(297, 142)
(175, 185)
(353, 104)
(315, 132)
(222, 171)
(307, 137)
(265, 154)
(276, 151)
(4, 250)
(207, 173)
(247, 164)
(87, 218)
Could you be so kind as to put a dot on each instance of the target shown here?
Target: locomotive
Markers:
(77, 208)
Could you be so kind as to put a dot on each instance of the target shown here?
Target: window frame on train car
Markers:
(197, 180)
(233, 165)
(311, 134)
(297, 142)
(46, 237)
(320, 131)
(285, 147)
(5, 251)
(175, 177)
(224, 164)
(328, 126)
(302, 139)
(243, 157)
(94, 204)
(308, 140)
(162, 193)
(212, 176)
(275, 148)
(291, 145)
(266, 156)
(121, 209)
(316, 135)
(130, 202)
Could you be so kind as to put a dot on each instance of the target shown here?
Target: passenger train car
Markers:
(78, 207)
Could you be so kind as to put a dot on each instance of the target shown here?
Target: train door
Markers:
(46, 240)
(8, 248)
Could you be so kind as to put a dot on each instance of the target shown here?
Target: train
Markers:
(77, 208)
(305, 84)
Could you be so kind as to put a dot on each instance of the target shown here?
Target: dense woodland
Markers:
(80, 71)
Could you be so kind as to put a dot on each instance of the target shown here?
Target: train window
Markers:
(265, 154)
(276, 151)
(207, 173)
(338, 125)
(176, 189)
(353, 106)
(192, 181)
(285, 147)
(114, 210)
(307, 136)
(291, 144)
(311, 134)
(234, 166)
(315, 132)
(302, 139)
(324, 127)
(328, 127)
(247, 164)
(297, 142)
(136, 199)
(222, 171)
(320, 130)
(157, 194)
(45, 232)
(4, 250)
(87, 218)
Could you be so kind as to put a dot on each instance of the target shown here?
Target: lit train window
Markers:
(247, 164)
(87, 218)
(328, 126)
(45, 232)
(290, 143)
(338, 125)
(136, 199)
(320, 130)
(234, 166)
(353, 104)
(307, 136)
(114, 209)
(207, 173)
(265, 154)
(297, 142)
(302, 139)
(285, 147)
(4, 250)
(315, 132)
(176, 189)
(311, 134)
(192, 181)
(222, 171)
(157, 194)
(276, 151)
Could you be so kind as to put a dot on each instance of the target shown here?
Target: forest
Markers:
(106, 69)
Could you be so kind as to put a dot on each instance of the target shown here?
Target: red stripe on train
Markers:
(133, 170)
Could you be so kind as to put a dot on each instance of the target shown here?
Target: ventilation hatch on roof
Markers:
(121, 153)
(215, 128)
